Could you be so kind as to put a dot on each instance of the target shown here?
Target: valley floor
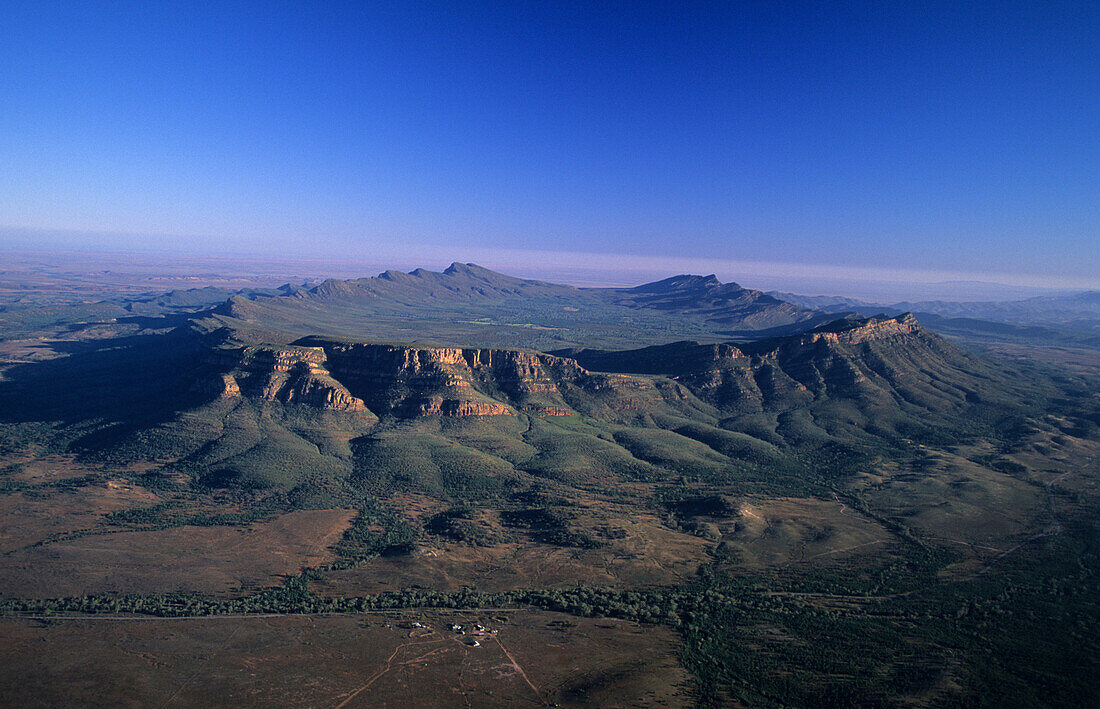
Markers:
(382, 659)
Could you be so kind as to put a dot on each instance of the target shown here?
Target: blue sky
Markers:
(935, 137)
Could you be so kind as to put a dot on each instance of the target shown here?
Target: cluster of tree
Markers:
(1022, 637)
(375, 531)
(174, 513)
(550, 525)
(462, 524)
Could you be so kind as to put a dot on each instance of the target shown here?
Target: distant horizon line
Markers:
(587, 267)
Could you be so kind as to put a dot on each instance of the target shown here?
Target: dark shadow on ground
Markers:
(125, 382)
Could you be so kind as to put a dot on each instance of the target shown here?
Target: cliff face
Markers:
(875, 363)
(291, 375)
(873, 358)
(411, 381)
(879, 360)
(422, 381)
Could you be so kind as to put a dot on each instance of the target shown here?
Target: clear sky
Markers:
(942, 137)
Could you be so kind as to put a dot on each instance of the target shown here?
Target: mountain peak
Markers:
(681, 283)
(857, 329)
(468, 269)
(480, 274)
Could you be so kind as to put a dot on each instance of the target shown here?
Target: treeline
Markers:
(294, 597)
(1024, 637)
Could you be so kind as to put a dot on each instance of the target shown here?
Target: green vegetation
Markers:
(550, 526)
(175, 513)
(374, 531)
(983, 642)
(420, 461)
(463, 524)
(883, 517)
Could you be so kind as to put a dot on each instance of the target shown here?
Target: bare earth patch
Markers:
(51, 468)
(768, 532)
(376, 660)
(650, 554)
(213, 560)
(30, 517)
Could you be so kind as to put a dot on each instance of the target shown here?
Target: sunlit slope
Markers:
(388, 417)
(853, 378)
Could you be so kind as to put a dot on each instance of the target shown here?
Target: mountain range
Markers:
(771, 481)
(469, 305)
(263, 388)
(1067, 319)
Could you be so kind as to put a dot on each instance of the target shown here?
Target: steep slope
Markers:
(854, 380)
(291, 375)
(397, 382)
(855, 377)
(276, 414)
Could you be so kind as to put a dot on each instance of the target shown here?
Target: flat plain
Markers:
(365, 660)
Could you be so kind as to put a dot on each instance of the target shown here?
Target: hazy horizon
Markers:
(578, 269)
(895, 143)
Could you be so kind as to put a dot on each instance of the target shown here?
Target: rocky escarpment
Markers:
(858, 366)
(875, 358)
(291, 375)
(399, 381)
(416, 381)
(873, 361)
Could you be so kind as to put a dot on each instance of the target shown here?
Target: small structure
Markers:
(456, 627)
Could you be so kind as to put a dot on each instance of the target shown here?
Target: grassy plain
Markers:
(215, 560)
(363, 660)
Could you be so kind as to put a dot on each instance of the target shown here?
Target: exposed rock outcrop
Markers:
(408, 380)
(872, 362)
(291, 375)
(875, 358)
(399, 381)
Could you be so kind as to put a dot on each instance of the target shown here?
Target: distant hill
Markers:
(1069, 320)
(711, 300)
(470, 305)
(1081, 308)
